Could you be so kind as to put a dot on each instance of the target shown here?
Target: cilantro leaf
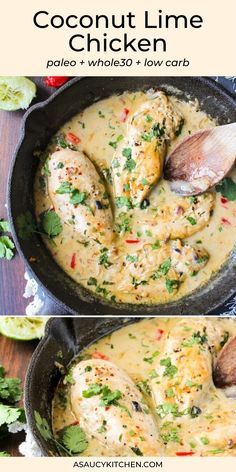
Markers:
(170, 369)
(43, 426)
(171, 284)
(123, 201)
(191, 220)
(114, 144)
(65, 187)
(50, 223)
(94, 389)
(103, 258)
(77, 197)
(26, 225)
(171, 436)
(110, 398)
(10, 389)
(4, 226)
(196, 338)
(4, 454)
(10, 414)
(74, 439)
(227, 188)
(6, 246)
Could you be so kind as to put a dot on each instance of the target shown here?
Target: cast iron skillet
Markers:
(40, 123)
(63, 340)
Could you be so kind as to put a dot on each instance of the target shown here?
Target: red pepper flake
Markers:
(73, 138)
(159, 333)
(75, 423)
(182, 453)
(99, 355)
(72, 262)
(132, 241)
(124, 115)
(55, 81)
(224, 200)
(226, 222)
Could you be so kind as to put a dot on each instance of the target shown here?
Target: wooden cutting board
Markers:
(15, 357)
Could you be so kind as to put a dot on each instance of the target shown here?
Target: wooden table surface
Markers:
(12, 282)
(15, 357)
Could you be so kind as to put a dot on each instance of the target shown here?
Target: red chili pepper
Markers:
(132, 241)
(224, 200)
(72, 262)
(53, 81)
(73, 138)
(180, 453)
(224, 221)
(124, 115)
(99, 355)
(159, 333)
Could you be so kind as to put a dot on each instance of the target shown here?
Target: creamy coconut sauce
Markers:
(100, 129)
(210, 427)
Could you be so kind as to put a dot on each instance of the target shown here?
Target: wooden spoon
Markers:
(201, 160)
(224, 374)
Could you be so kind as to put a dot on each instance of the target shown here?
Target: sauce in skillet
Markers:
(140, 265)
(191, 414)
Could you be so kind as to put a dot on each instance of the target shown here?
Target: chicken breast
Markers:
(185, 368)
(78, 195)
(164, 268)
(110, 408)
(137, 164)
(179, 219)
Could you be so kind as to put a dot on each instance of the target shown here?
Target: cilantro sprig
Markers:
(6, 244)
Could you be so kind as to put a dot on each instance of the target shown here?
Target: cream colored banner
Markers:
(199, 40)
(184, 464)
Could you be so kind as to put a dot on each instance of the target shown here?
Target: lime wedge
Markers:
(23, 328)
(16, 92)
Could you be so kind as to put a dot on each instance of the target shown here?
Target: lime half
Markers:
(23, 328)
(16, 92)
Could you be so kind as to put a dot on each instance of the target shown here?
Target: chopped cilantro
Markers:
(156, 245)
(123, 202)
(191, 220)
(115, 143)
(148, 118)
(103, 258)
(196, 338)
(169, 392)
(131, 258)
(77, 197)
(150, 359)
(171, 436)
(171, 284)
(92, 281)
(94, 389)
(65, 187)
(204, 440)
(170, 369)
